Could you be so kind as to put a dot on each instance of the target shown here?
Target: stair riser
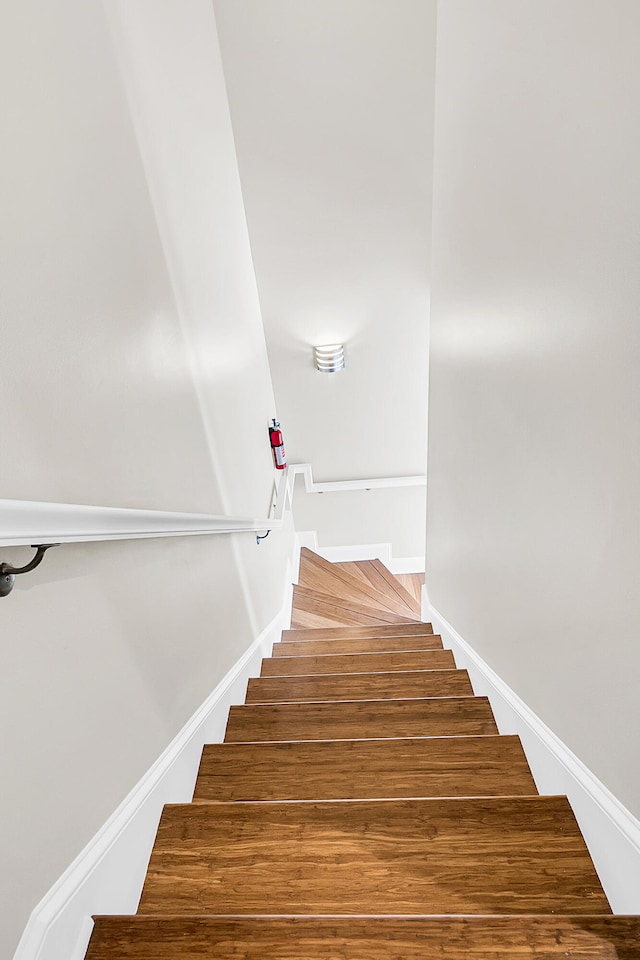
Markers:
(366, 938)
(358, 663)
(364, 769)
(360, 632)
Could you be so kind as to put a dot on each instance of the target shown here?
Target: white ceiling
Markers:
(332, 109)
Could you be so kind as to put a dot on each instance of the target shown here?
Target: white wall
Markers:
(130, 331)
(394, 516)
(533, 542)
(332, 112)
(107, 651)
(92, 352)
(171, 64)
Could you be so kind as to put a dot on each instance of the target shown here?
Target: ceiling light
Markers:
(330, 358)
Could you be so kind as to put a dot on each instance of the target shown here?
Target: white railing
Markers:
(26, 522)
(32, 521)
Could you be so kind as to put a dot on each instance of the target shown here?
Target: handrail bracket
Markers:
(8, 572)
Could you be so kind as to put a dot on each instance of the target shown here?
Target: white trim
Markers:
(334, 486)
(286, 485)
(32, 521)
(370, 551)
(25, 522)
(107, 876)
(362, 551)
(406, 565)
(305, 539)
(611, 832)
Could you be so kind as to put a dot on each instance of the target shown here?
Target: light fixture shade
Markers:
(329, 358)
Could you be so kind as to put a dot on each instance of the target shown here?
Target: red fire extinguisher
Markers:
(277, 446)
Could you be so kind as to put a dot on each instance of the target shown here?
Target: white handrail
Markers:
(287, 485)
(26, 522)
(33, 521)
(333, 486)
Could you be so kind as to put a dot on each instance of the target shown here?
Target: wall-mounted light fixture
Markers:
(329, 358)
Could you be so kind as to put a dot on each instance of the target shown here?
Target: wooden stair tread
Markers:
(342, 608)
(364, 807)
(353, 719)
(305, 648)
(479, 855)
(307, 611)
(382, 579)
(364, 769)
(366, 938)
(354, 632)
(387, 662)
(360, 686)
(320, 575)
(413, 584)
(351, 566)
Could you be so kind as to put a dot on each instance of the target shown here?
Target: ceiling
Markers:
(332, 111)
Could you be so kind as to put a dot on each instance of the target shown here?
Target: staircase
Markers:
(364, 807)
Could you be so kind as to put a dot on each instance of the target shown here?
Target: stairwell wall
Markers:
(395, 516)
(133, 373)
(533, 540)
(332, 113)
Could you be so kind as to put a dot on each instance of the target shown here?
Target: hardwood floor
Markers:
(364, 807)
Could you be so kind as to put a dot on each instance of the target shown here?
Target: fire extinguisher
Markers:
(277, 445)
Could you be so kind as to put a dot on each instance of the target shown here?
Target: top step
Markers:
(375, 574)
(318, 574)
(311, 608)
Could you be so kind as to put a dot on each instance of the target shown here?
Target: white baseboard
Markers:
(362, 551)
(304, 538)
(107, 877)
(406, 565)
(611, 832)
